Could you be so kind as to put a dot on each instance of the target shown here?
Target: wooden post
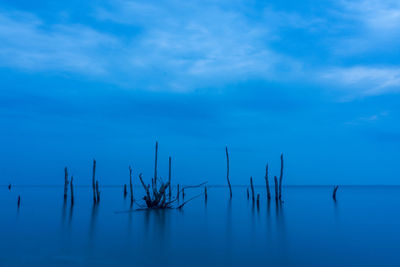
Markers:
(227, 171)
(93, 181)
(72, 190)
(177, 192)
(169, 178)
(205, 193)
(258, 200)
(125, 191)
(280, 178)
(267, 183)
(252, 188)
(276, 188)
(130, 183)
(183, 193)
(97, 191)
(19, 201)
(334, 192)
(9, 187)
(248, 195)
(65, 183)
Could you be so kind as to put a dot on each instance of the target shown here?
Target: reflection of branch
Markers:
(194, 186)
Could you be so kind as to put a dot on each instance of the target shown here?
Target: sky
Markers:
(318, 81)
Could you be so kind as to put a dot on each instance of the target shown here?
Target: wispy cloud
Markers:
(27, 42)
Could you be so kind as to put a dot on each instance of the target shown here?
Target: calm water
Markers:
(308, 229)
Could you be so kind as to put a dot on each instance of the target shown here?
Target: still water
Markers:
(362, 228)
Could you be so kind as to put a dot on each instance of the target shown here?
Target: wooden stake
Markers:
(248, 195)
(130, 183)
(177, 193)
(205, 193)
(252, 188)
(125, 191)
(276, 188)
(169, 178)
(258, 200)
(227, 171)
(65, 183)
(267, 183)
(280, 178)
(9, 187)
(72, 190)
(93, 181)
(183, 193)
(19, 201)
(334, 192)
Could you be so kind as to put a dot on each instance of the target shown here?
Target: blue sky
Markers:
(316, 80)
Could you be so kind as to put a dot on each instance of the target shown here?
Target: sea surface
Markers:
(362, 228)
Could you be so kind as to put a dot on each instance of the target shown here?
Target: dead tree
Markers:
(227, 171)
(280, 178)
(267, 183)
(72, 190)
(93, 181)
(65, 183)
(334, 192)
(276, 188)
(169, 178)
(130, 183)
(252, 188)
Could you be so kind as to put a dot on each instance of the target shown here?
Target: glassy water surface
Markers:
(309, 229)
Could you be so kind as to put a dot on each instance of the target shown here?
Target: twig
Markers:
(180, 206)
(227, 171)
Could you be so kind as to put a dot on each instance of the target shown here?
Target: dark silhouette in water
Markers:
(267, 183)
(93, 181)
(169, 178)
(227, 171)
(276, 188)
(72, 191)
(19, 201)
(252, 188)
(65, 183)
(9, 187)
(334, 192)
(130, 184)
(280, 178)
(125, 191)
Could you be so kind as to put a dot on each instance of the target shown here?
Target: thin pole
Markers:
(280, 178)
(169, 178)
(252, 188)
(227, 171)
(130, 183)
(93, 181)
(267, 183)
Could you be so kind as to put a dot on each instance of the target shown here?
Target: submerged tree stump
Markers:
(248, 195)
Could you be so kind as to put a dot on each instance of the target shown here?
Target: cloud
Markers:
(28, 43)
(364, 81)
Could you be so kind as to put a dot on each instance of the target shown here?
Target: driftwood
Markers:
(72, 190)
(169, 178)
(335, 188)
(130, 183)
(252, 188)
(227, 171)
(93, 181)
(280, 178)
(65, 183)
(276, 188)
(267, 183)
